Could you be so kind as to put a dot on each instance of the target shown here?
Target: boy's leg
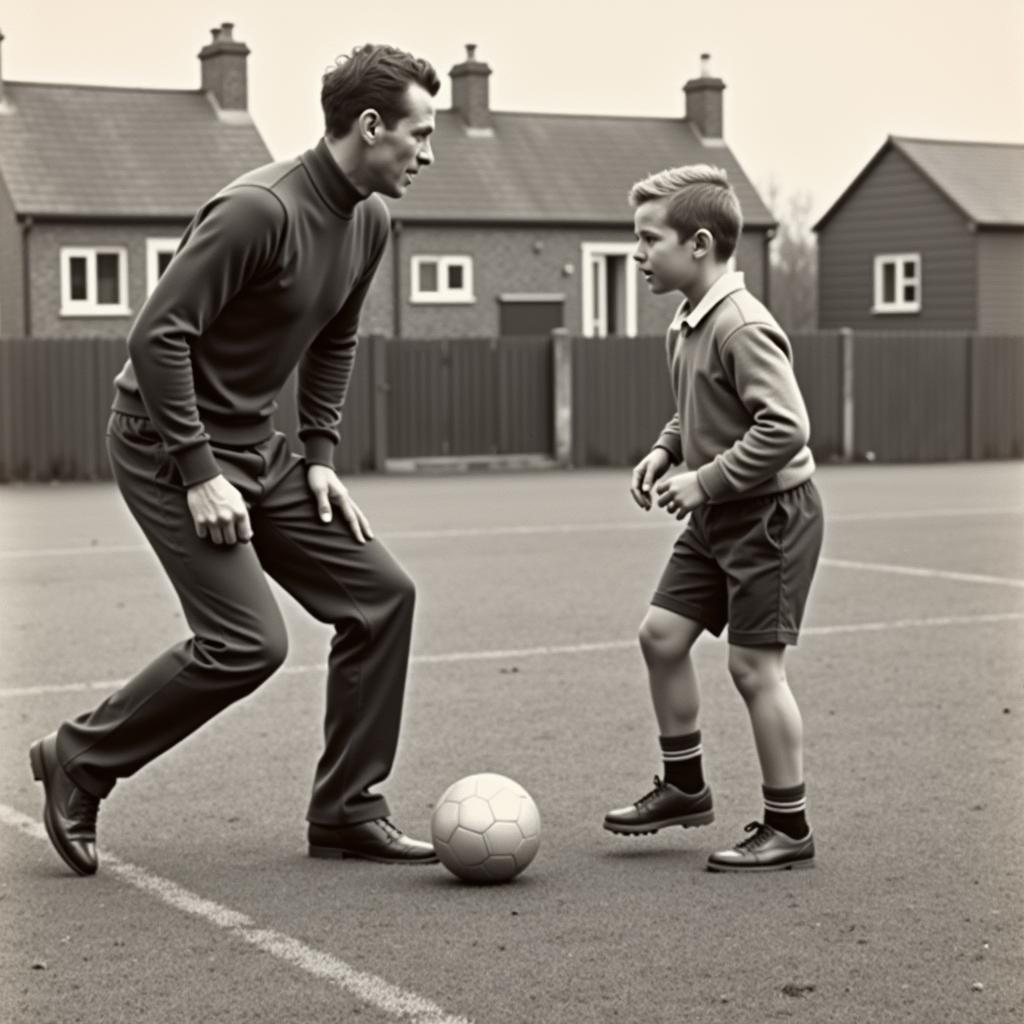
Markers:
(770, 549)
(690, 598)
(362, 591)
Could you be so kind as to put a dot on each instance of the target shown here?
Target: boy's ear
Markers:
(703, 243)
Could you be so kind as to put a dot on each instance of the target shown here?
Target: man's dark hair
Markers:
(372, 76)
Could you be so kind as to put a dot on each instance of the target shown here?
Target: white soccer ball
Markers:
(485, 828)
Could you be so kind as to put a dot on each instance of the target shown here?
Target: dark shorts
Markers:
(747, 563)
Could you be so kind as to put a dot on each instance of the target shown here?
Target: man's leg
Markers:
(365, 594)
(239, 637)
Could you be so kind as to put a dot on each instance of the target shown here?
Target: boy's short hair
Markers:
(699, 196)
(374, 76)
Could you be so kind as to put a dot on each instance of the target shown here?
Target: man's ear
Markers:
(703, 243)
(370, 125)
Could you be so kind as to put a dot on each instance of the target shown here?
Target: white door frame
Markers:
(595, 286)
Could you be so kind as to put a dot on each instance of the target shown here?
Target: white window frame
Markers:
(89, 306)
(155, 248)
(444, 294)
(899, 305)
(595, 277)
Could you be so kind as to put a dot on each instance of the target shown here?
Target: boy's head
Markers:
(687, 223)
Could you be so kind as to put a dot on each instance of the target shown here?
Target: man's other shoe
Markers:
(665, 805)
(766, 849)
(69, 813)
(379, 840)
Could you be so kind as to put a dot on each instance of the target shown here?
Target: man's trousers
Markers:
(239, 636)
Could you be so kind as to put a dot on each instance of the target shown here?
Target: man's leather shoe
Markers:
(665, 805)
(766, 849)
(379, 840)
(69, 813)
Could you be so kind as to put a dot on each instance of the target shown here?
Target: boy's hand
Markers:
(680, 494)
(327, 488)
(646, 473)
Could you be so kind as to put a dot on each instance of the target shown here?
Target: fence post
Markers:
(561, 360)
(379, 389)
(973, 446)
(846, 362)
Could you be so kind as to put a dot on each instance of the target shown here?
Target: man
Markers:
(271, 274)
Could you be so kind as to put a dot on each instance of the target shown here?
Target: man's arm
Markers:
(233, 238)
(757, 359)
(325, 371)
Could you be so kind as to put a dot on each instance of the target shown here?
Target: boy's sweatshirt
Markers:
(741, 422)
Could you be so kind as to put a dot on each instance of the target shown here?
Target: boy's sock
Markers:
(682, 757)
(785, 810)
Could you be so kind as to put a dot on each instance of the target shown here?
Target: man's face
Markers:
(398, 153)
(666, 263)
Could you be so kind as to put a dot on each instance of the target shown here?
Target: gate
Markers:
(464, 397)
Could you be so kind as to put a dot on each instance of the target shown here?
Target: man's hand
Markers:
(219, 512)
(646, 473)
(327, 488)
(680, 494)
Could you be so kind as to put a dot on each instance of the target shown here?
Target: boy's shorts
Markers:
(748, 563)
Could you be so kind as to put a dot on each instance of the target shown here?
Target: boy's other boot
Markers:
(765, 849)
(664, 806)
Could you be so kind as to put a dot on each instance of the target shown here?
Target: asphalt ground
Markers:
(531, 587)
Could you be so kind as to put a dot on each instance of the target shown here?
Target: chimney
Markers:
(223, 66)
(704, 101)
(470, 91)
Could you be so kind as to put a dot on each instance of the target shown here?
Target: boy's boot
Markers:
(665, 805)
(765, 849)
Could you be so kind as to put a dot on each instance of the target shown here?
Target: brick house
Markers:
(929, 235)
(522, 223)
(97, 184)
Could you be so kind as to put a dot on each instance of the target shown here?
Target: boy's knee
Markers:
(754, 670)
(660, 641)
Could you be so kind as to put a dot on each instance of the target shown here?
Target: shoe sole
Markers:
(333, 853)
(38, 762)
(686, 821)
(793, 865)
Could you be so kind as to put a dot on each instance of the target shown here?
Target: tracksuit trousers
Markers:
(239, 636)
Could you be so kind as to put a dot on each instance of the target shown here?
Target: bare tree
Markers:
(794, 260)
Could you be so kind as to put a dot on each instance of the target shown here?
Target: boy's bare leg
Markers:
(760, 676)
(665, 640)
(683, 798)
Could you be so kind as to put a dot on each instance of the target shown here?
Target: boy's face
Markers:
(667, 263)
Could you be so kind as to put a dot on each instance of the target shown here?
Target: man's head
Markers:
(378, 100)
(687, 223)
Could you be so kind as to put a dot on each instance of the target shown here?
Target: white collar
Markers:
(728, 283)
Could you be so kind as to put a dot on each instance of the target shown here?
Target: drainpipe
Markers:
(26, 280)
(396, 279)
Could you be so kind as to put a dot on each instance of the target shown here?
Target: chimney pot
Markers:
(470, 51)
(225, 29)
(705, 65)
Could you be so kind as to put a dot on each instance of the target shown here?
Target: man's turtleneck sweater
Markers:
(271, 273)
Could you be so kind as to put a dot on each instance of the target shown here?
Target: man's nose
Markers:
(426, 155)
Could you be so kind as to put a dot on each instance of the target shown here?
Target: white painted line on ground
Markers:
(455, 533)
(909, 570)
(454, 657)
(369, 988)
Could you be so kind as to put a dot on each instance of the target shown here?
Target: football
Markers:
(485, 828)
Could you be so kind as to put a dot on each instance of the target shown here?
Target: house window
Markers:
(609, 289)
(898, 283)
(442, 279)
(158, 254)
(94, 281)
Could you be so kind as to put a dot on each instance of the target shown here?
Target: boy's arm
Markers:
(671, 439)
(232, 238)
(757, 359)
(325, 371)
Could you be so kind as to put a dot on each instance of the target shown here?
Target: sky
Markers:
(812, 87)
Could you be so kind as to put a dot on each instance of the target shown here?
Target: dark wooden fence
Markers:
(891, 397)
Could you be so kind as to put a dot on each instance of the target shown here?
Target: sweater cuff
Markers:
(196, 464)
(672, 443)
(714, 482)
(320, 451)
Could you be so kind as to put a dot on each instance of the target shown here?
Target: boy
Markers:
(750, 548)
